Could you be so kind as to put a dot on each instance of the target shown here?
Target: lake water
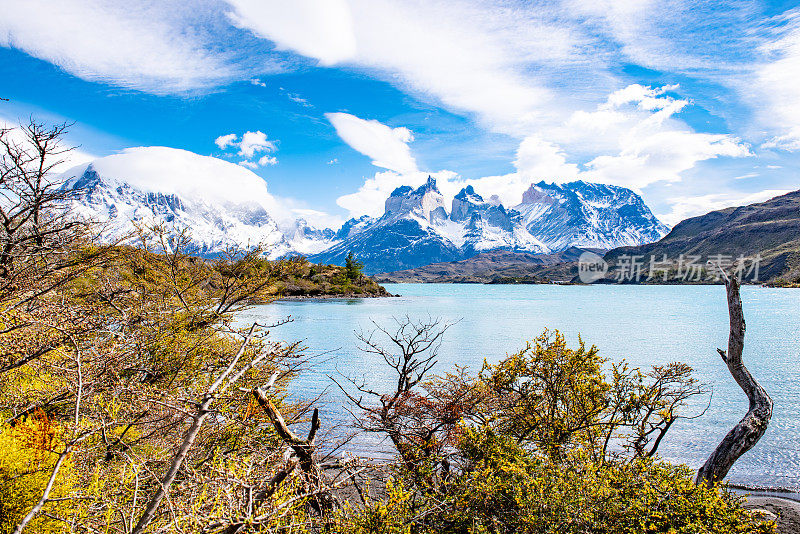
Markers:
(645, 325)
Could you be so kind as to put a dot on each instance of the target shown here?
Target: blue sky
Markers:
(696, 105)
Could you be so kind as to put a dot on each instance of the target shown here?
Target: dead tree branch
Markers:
(46, 493)
(750, 429)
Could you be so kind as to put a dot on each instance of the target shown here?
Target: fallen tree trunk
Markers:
(750, 429)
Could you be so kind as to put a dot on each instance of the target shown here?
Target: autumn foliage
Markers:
(134, 399)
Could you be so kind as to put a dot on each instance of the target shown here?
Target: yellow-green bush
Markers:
(506, 488)
(28, 452)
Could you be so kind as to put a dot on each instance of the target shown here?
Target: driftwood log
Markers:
(749, 430)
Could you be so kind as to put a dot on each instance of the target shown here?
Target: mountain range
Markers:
(416, 228)
(769, 231)
(221, 204)
(224, 205)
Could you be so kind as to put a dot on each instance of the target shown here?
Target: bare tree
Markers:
(419, 416)
(749, 430)
(42, 245)
(315, 488)
(659, 404)
(29, 193)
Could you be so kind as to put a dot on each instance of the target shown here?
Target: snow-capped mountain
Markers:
(411, 232)
(221, 204)
(225, 205)
(354, 226)
(416, 228)
(581, 214)
(490, 226)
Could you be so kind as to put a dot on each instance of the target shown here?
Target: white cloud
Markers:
(224, 141)
(387, 147)
(334, 161)
(486, 58)
(253, 142)
(297, 99)
(685, 207)
(777, 81)
(321, 29)
(634, 110)
(661, 156)
(149, 46)
(267, 160)
(249, 164)
(250, 144)
(541, 160)
(257, 82)
(672, 35)
(770, 86)
(171, 170)
(636, 140)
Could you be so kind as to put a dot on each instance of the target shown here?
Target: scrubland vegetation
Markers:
(133, 401)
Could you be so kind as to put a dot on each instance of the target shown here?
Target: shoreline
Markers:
(766, 492)
(560, 283)
(784, 511)
(290, 298)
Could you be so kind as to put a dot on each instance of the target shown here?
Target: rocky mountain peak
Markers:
(536, 194)
(429, 185)
(585, 214)
(425, 202)
(469, 194)
(354, 226)
(466, 203)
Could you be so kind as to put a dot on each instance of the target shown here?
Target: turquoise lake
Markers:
(644, 325)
